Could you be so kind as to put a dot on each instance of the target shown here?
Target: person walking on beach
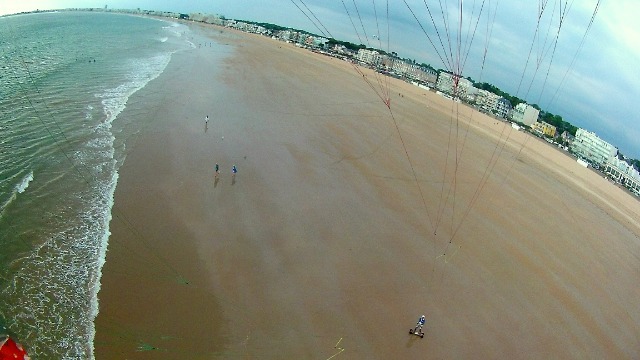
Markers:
(206, 120)
(217, 169)
(234, 171)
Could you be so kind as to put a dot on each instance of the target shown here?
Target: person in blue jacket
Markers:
(421, 321)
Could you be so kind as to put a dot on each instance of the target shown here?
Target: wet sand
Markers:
(346, 222)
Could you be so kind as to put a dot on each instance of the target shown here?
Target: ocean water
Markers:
(64, 78)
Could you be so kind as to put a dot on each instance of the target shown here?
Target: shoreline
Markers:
(139, 246)
(323, 227)
(62, 200)
(111, 112)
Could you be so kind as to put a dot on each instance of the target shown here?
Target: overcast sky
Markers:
(600, 87)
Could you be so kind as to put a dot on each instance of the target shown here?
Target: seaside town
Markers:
(588, 149)
(186, 183)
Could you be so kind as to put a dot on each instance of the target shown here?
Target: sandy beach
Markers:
(345, 223)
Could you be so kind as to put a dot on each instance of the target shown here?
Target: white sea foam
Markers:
(24, 184)
(7, 202)
(176, 28)
(114, 101)
(102, 255)
(18, 189)
(88, 114)
(77, 252)
(144, 70)
(52, 294)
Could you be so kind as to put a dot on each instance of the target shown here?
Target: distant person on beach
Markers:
(206, 120)
(234, 170)
(421, 320)
(217, 169)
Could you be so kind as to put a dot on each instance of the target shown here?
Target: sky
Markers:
(593, 86)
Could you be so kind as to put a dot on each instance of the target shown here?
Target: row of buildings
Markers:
(601, 155)
(586, 145)
(388, 64)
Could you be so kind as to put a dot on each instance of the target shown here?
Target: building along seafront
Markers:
(370, 57)
(489, 102)
(454, 85)
(542, 128)
(525, 114)
(623, 173)
(589, 146)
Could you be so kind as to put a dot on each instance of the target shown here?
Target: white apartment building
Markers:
(623, 173)
(288, 35)
(411, 71)
(502, 108)
(492, 103)
(589, 146)
(320, 41)
(370, 57)
(447, 84)
(486, 100)
(525, 114)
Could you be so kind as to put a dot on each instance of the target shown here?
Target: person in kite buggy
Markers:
(417, 330)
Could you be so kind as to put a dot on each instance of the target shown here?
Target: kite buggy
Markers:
(418, 329)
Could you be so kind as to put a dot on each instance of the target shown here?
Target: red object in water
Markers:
(9, 349)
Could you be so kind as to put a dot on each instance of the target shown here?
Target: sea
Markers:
(64, 79)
